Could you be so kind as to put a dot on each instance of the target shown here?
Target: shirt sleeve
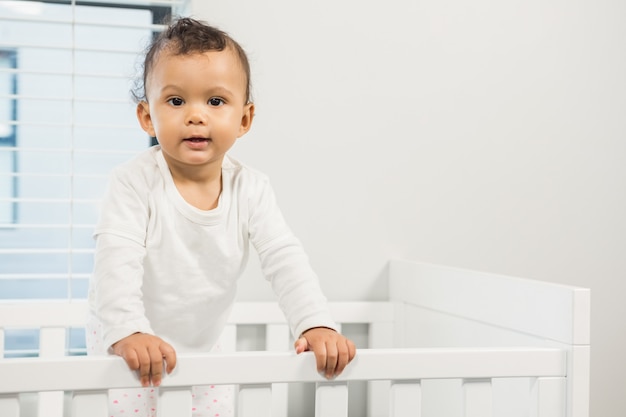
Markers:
(115, 294)
(286, 265)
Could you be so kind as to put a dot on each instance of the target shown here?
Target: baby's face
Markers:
(197, 106)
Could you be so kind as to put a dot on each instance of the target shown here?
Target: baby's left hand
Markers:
(332, 350)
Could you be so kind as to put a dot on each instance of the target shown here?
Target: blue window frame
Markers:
(8, 116)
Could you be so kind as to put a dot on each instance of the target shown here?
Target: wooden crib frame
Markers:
(449, 342)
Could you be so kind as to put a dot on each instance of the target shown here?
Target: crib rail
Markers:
(255, 372)
(442, 312)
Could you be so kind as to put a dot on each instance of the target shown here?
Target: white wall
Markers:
(487, 135)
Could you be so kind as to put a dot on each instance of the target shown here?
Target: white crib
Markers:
(449, 343)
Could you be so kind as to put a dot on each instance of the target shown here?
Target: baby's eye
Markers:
(176, 101)
(216, 101)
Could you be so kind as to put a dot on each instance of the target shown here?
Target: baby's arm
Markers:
(332, 350)
(115, 294)
(145, 353)
(117, 302)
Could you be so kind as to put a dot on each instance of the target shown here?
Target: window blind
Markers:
(66, 119)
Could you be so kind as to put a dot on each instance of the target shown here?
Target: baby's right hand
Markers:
(145, 353)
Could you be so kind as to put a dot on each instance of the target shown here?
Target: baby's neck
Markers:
(203, 195)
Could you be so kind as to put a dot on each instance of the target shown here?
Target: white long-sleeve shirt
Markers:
(167, 268)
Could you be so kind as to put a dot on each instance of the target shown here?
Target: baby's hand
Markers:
(145, 353)
(333, 351)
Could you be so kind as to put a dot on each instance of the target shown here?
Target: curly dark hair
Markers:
(188, 36)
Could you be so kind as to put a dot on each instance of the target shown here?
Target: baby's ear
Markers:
(145, 120)
(246, 119)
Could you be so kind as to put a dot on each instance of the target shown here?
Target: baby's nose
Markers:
(196, 116)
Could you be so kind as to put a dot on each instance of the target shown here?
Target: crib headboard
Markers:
(440, 306)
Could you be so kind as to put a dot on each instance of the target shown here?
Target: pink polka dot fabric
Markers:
(207, 401)
(213, 401)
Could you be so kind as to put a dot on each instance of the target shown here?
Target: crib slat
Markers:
(9, 405)
(277, 337)
(228, 338)
(90, 403)
(50, 404)
(477, 398)
(277, 340)
(405, 399)
(174, 402)
(548, 397)
(280, 395)
(331, 399)
(381, 335)
(51, 345)
(52, 342)
(255, 400)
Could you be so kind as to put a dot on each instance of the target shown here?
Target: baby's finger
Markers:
(343, 356)
(351, 350)
(156, 366)
(331, 360)
(169, 354)
(130, 357)
(301, 345)
(320, 357)
(144, 366)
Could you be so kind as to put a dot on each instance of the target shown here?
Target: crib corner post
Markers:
(578, 374)
(579, 355)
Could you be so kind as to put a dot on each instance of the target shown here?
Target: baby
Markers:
(177, 221)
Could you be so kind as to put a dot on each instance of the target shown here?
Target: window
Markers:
(66, 119)
(7, 135)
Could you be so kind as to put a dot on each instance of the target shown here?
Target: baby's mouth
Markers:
(197, 140)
